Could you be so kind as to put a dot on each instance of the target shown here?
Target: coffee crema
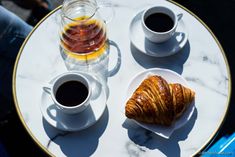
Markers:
(84, 36)
(159, 22)
(71, 93)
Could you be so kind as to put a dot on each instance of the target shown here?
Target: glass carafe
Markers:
(83, 37)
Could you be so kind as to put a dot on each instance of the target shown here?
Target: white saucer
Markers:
(80, 121)
(170, 77)
(170, 47)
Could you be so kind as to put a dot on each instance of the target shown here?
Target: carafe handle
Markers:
(117, 66)
(106, 11)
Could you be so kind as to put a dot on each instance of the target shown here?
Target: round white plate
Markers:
(170, 77)
(170, 47)
(76, 122)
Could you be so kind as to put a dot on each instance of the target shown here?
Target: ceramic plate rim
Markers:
(153, 70)
(139, 13)
(44, 94)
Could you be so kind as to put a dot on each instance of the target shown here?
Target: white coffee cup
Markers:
(60, 80)
(154, 36)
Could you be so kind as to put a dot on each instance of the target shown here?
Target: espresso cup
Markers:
(70, 92)
(159, 23)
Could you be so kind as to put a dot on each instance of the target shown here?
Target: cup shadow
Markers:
(174, 62)
(169, 147)
(77, 144)
(169, 47)
(64, 120)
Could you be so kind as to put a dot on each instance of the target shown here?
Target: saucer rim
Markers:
(44, 94)
(180, 22)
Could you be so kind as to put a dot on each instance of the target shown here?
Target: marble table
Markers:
(201, 62)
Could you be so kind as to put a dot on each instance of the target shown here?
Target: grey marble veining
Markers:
(58, 135)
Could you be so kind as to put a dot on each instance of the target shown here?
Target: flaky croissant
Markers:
(157, 102)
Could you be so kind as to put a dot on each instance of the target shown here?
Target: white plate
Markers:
(80, 121)
(170, 77)
(170, 47)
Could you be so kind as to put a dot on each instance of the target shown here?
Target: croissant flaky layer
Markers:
(157, 102)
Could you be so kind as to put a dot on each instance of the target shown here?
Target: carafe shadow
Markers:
(101, 67)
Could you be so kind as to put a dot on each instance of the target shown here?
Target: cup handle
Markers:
(47, 88)
(110, 11)
(179, 16)
(49, 109)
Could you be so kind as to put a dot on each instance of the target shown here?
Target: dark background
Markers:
(218, 15)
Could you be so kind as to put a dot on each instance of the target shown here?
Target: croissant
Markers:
(157, 102)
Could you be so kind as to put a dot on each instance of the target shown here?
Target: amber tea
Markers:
(84, 36)
(84, 44)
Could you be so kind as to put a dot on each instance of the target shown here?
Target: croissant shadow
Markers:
(174, 62)
(169, 147)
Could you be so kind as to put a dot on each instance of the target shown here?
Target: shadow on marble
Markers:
(81, 143)
(143, 138)
(174, 62)
(169, 47)
(70, 121)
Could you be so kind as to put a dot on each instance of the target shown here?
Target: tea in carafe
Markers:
(83, 37)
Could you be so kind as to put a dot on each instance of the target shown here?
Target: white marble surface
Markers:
(201, 63)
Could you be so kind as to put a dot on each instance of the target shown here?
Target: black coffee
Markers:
(159, 22)
(71, 93)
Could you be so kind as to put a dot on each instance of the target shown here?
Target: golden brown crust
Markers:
(157, 102)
